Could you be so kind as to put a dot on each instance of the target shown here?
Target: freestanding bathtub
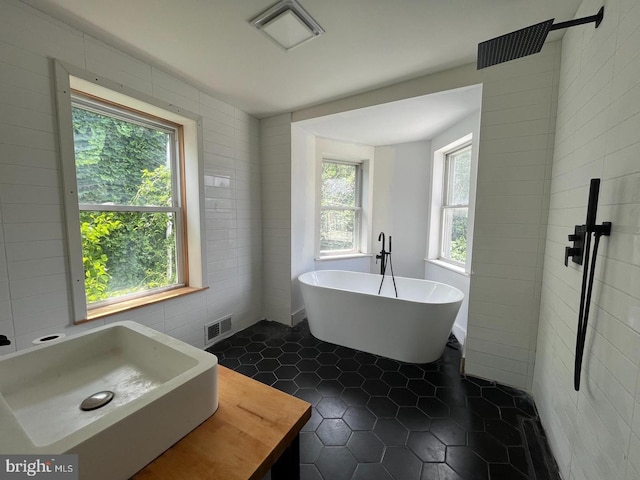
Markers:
(344, 308)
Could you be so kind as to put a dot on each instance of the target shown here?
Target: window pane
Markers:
(338, 185)
(459, 177)
(454, 234)
(337, 230)
(120, 162)
(127, 252)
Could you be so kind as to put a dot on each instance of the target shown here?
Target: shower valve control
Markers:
(577, 251)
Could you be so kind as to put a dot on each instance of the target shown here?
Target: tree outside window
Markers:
(130, 217)
(455, 205)
(340, 207)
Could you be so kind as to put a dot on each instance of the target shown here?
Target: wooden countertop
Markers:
(252, 427)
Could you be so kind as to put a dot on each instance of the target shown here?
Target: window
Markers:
(133, 183)
(340, 207)
(455, 205)
(131, 221)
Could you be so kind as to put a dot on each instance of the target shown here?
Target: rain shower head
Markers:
(525, 41)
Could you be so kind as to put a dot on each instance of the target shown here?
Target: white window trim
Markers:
(445, 193)
(357, 210)
(366, 202)
(67, 77)
(437, 192)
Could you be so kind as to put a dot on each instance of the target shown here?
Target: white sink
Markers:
(163, 389)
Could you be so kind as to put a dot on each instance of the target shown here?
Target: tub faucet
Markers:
(4, 340)
(382, 256)
(385, 256)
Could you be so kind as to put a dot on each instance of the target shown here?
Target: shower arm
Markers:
(580, 21)
(525, 41)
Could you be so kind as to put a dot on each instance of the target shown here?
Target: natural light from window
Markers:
(127, 175)
(455, 206)
(340, 207)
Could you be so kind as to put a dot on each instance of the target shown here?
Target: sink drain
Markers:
(97, 400)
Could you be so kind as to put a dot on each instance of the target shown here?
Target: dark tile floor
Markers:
(375, 418)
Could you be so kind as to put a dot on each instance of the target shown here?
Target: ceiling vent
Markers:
(287, 24)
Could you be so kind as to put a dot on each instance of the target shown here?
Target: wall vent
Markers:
(215, 329)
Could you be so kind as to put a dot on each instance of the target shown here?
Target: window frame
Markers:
(446, 202)
(357, 209)
(191, 151)
(121, 112)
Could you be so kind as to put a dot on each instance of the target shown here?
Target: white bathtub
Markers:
(344, 308)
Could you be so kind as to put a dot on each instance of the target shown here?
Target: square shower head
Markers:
(520, 43)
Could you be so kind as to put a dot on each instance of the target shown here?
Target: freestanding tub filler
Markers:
(345, 308)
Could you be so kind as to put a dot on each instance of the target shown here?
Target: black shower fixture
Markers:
(525, 41)
(580, 252)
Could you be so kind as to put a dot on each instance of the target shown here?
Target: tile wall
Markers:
(595, 433)
(514, 171)
(34, 299)
(275, 148)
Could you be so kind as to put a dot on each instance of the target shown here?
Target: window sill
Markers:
(448, 266)
(343, 257)
(102, 312)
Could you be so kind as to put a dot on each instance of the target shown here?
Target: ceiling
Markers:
(368, 43)
(410, 120)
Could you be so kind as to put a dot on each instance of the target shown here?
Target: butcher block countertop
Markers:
(251, 429)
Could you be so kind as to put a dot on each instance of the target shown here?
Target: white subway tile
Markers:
(111, 63)
(171, 96)
(501, 376)
(13, 213)
(212, 103)
(28, 157)
(37, 32)
(27, 137)
(31, 250)
(216, 125)
(50, 318)
(18, 175)
(511, 339)
(29, 287)
(495, 100)
(624, 135)
(32, 102)
(25, 232)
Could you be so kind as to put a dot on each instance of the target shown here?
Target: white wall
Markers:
(275, 152)
(303, 211)
(34, 297)
(307, 152)
(595, 433)
(433, 270)
(400, 205)
(514, 171)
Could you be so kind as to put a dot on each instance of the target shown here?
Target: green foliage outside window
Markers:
(459, 238)
(123, 163)
(337, 208)
(456, 205)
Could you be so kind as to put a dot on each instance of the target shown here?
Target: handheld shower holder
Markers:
(576, 252)
(580, 252)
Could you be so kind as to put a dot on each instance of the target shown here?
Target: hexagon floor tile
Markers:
(376, 418)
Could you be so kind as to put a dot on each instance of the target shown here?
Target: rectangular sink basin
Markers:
(162, 389)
